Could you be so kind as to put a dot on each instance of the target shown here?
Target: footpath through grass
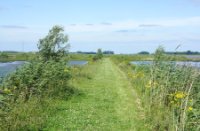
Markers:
(107, 102)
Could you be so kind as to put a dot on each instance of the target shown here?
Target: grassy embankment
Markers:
(169, 94)
(6, 57)
(107, 102)
(20, 56)
(102, 99)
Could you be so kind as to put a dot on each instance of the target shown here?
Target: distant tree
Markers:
(159, 53)
(189, 52)
(3, 55)
(55, 45)
(108, 52)
(144, 53)
(99, 53)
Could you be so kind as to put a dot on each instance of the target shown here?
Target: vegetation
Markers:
(98, 56)
(185, 53)
(54, 45)
(16, 56)
(144, 53)
(35, 85)
(46, 94)
(169, 93)
(106, 101)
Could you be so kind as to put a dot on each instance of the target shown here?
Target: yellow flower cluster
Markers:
(151, 84)
(190, 108)
(136, 75)
(180, 95)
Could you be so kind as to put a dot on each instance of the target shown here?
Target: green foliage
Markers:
(54, 45)
(34, 83)
(37, 78)
(3, 55)
(16, 56)
(144, 53)
(87, 57)
(169, 93)
(98, 56)
(99, 53)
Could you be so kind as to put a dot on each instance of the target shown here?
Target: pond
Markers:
(182, 63)
(77, 62)
(6, 68)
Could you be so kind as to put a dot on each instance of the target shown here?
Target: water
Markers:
(181, 63)
(8, 67)
(77, 62)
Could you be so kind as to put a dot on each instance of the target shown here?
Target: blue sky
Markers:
(124, 26)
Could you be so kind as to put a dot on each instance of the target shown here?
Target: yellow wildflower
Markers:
(148, 85)
(151, 84)
(140, 75)
(129, 75)
(190, 108)
(180, 95)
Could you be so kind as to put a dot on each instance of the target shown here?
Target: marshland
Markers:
(99, 66)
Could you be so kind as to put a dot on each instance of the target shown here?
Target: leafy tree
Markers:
(3, 55)
(55, 45)
(99, 53)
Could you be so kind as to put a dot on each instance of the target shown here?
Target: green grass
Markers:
(107, 102)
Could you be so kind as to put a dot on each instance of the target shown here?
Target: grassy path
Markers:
(108, 102)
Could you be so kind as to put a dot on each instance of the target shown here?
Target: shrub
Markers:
(38, 78)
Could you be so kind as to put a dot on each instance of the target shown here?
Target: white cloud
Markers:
(101, 27)
(123, 31)
(131, 24)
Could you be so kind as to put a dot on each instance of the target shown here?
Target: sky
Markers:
(123, 26)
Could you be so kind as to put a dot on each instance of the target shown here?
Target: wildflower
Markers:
(190, 108)
(151, 84)
(180, 95)
(140, 75)
(148, 85)
(129, 75)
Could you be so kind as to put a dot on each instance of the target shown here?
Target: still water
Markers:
(182, 63)
(6, 68)
(77, 62)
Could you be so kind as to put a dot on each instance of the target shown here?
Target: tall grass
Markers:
(169, 93)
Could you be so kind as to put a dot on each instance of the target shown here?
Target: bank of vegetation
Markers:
(36, 96)
(26, 95)
(169, 93)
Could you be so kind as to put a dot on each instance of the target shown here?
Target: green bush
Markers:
(23, 94)
(38, 78)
